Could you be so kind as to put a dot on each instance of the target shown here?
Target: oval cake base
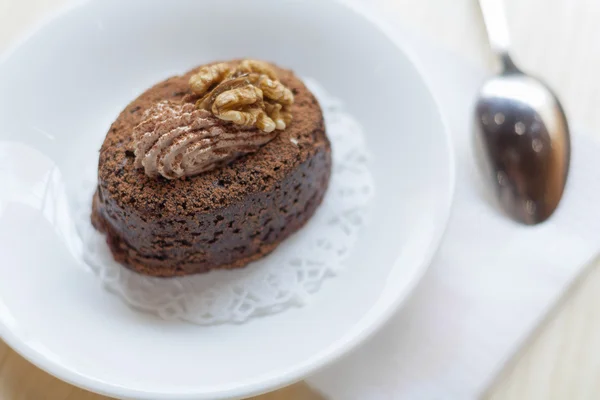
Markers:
(224, 218)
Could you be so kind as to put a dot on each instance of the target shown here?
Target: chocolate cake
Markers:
(211, 169)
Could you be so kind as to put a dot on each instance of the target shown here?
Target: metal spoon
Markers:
(523, 131)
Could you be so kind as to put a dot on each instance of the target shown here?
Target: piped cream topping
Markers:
(178, 140)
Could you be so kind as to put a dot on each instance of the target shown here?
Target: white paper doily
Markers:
(287, 277)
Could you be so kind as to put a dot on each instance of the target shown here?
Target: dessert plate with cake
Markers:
(211, 199)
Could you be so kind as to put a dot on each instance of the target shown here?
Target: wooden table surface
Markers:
(556, 39)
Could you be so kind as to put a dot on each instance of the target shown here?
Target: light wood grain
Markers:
(555, 39)
(563, 360)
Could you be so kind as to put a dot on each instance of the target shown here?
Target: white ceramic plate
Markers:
(62, 87)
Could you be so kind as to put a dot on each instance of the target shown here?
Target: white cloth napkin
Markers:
(491, 282)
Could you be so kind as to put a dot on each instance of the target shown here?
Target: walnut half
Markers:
(247, 94)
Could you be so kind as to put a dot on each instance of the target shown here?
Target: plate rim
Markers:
(345, 344)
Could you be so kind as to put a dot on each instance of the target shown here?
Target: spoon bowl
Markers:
(525, 138)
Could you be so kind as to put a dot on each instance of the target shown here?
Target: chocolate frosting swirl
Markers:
(177, 140)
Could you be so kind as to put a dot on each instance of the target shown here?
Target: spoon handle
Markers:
(497, 30)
